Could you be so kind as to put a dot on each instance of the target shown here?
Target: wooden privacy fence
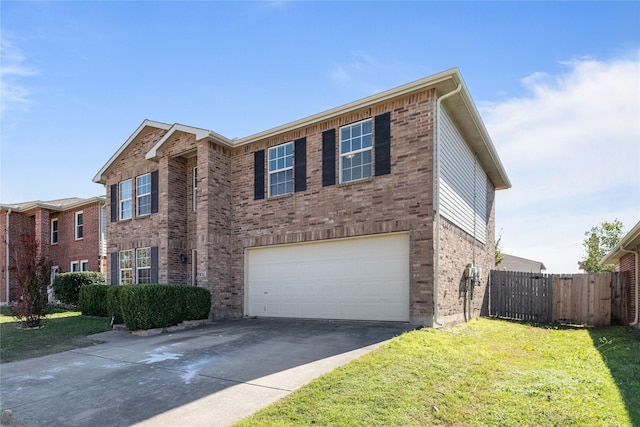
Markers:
(586, 299)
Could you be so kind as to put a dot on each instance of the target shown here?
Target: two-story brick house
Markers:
(371, 210)
(71, 233)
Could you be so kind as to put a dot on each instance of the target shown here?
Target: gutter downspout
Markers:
(635, 321)
(436, 194)
(7, 257)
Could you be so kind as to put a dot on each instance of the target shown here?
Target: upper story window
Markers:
(355, 151)
(79, 225)
(195, 188)
(54, 231)
(143, 194)
(281, 169)
(125, 200)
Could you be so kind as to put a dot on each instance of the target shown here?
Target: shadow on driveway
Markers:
(212, 375)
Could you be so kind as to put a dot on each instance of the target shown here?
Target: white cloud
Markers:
(13, 94)
(572, 151)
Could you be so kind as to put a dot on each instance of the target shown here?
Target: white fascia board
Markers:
(24, 207)
(632, 238)
(418, 85)
(99, 178)
(199, 133)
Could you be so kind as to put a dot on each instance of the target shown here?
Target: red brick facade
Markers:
(628, 263)
(207, 246)
(35, 219)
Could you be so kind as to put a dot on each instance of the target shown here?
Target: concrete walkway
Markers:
(213, 375)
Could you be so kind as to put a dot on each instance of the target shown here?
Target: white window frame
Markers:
(54, 231)
(74, 267)
(84, 265)
(195, 188)
(143, 197)
(78, 225)
(280, 162)
(143, 264)
(125, 210)
(356, 142)
(127, 268)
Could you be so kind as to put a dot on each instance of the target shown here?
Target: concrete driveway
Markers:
(213, 375)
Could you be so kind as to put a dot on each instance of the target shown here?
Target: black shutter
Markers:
(258, 175)
(114, 268)
(154, 264)
(154, 192)
(383, 144)
(328, 157)
(113, 203)
(300, 164)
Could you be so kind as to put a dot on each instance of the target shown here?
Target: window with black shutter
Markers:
(258, 175)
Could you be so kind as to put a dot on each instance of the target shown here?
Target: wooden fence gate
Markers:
(585, 299)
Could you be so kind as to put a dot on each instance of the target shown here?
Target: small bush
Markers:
(197, 303)
(67, 285)
(92, 300)
(161, 306)
(114, 304)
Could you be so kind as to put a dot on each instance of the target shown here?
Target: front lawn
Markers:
(62, 330)
(484, 373)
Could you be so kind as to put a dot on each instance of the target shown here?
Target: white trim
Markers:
(278, 170)
(464, 113)
(82, 262)
(137, 267)
(351, 154)
(71, 266)
(57, 231)
(141, 195)
(100, 178)
(121, 200)
(76, 225)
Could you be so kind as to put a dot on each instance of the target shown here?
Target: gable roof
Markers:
(516, 263)
(58, 205)
(630, 240)
(460, 107)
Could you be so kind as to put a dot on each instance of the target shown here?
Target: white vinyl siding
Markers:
(462, 184)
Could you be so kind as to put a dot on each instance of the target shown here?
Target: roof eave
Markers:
(100, 178)
(632, 238)
(156, 151)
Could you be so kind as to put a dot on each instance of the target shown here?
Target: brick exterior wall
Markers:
(37, 222)
(228, 220)
(627, 263)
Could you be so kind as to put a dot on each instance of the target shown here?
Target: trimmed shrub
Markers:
(92, 300)
(197, 303)
(114, 303)
(160, 306)
(67, 285)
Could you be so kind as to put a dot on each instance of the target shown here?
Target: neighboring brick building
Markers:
(70, 233)
(626, 256)
(369, 211)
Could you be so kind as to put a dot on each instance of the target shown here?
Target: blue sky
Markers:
(557, 84)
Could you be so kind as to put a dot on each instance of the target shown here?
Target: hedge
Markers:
(67, 286)
(146, 306)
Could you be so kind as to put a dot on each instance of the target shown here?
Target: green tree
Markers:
(31, 272)
(499, 256)
(598, 242)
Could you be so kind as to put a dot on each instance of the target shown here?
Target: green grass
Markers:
(484, 373)
(62, 330)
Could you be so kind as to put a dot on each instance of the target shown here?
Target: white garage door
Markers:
(361, 278)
